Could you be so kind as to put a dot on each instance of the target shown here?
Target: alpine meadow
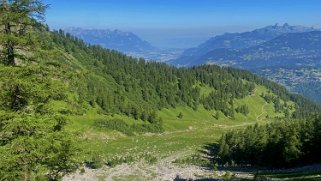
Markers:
(77, 110)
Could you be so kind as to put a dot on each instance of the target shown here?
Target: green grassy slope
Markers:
(187, 134)
(105, 85)
(97, 77)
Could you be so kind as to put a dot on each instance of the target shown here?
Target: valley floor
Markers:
(164, 156)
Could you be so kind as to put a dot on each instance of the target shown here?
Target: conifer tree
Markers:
(33, 143)
(18, 20)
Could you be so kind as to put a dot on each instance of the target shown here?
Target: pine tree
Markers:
(180, 115)
(32, 141)
(18, 19)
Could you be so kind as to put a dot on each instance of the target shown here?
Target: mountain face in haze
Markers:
(237, 41)
(292, 59)
(112, 39)
(125, 42)
(286, 50)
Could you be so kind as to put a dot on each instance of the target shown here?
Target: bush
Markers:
(228, 175)
(82, 170)
(97, 162)
(195, 159)
(180, 115)
(120, 160)
(150, 158)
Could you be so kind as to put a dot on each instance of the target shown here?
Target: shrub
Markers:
(97, 162)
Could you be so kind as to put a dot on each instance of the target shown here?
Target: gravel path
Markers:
(162, 171)
(165, 170)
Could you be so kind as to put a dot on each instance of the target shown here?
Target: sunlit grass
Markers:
(188, 133)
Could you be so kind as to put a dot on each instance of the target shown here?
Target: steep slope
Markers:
(120, 84)
(112, 104)
(237, 41)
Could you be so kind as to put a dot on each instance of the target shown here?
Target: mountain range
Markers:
(289, 55)
(112, 39)
(290, 49)
(125, 42)
(237, 41)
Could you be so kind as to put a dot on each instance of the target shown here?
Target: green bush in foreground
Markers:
(33, 142)
(32, 146)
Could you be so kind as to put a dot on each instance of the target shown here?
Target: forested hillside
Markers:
(121, 84)
(291, 59)
(50, 80)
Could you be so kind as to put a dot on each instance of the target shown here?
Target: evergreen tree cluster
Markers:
(278, 105)
(121, 84)
(243, 109)
(279, 144)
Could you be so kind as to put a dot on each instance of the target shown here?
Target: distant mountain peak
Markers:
(122, 41)
(285, 28)
(240, 40)
(284, 25)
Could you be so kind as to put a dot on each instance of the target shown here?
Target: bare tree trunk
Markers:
(9, 46)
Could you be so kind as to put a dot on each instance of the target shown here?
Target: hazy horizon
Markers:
(181, 24)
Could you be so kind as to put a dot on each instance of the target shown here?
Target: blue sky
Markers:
(181, 23)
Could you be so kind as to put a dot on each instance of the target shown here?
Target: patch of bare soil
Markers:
(163, 170)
